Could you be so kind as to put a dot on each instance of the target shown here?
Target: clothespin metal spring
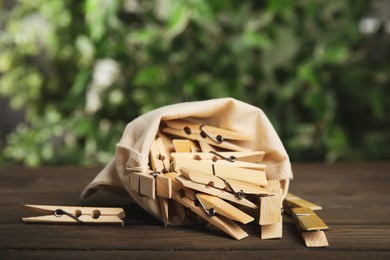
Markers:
(218, 139)
(211, 211)
(230, 158)
(59, 212)
(238, 194)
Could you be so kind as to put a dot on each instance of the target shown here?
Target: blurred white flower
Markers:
(105, 73)
(369, 25)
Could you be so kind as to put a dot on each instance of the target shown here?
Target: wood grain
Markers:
(354, 197)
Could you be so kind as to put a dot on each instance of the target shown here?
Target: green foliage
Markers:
(83, 69)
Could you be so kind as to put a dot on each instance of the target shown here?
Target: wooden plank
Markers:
(354, 196)
(190, 254)
(19, 236)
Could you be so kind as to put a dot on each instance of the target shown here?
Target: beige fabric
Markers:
(133, 148)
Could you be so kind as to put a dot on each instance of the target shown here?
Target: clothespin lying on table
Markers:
(293, 201)
(309, 224)
(212, 135)
(75, 215)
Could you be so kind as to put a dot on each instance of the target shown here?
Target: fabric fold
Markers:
(132, 150)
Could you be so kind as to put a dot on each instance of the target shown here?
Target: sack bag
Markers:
(132, 150)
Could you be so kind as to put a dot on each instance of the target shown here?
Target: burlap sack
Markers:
(132, 150)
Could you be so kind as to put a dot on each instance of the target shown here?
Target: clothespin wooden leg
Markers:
(272, 231)
(164, 192)
(164, 186)
(144, 184)
(315, 238)
(309, 224)
(271, 216)
(164, 210)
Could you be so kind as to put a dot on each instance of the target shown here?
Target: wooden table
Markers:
(355, 199)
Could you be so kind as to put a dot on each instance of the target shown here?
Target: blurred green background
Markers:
(80, 70)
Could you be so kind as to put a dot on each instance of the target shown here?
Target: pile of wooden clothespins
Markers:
(201, 168)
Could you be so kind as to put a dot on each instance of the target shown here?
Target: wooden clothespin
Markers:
(212, 135)
(250, 157)
(225, 224)
(225, 209)
(159, 160)
(221, 183)
(160, 163)
(271, 212)
(308, 220)
(256, 177)
(144, 184)
(293, 201)
(215, 192)
(225, 158)
(75, 215)
(159, 156)
(309, 224)
(311, 227)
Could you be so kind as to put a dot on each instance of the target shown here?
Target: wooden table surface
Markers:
(355, 199)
